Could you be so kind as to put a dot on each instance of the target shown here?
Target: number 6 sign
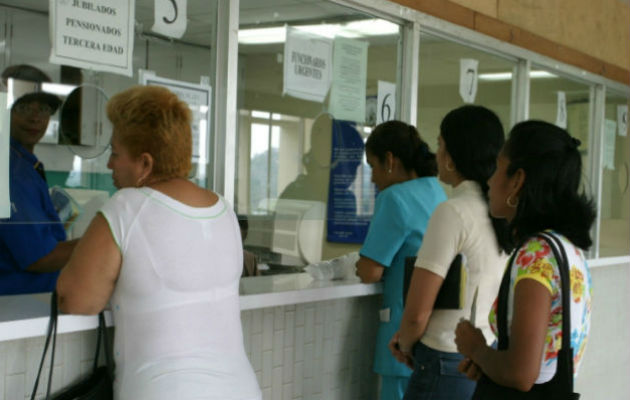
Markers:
(385, 102)
(170, 18)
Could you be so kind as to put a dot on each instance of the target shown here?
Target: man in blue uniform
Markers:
(33, 246)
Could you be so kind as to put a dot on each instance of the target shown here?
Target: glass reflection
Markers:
(302, 181)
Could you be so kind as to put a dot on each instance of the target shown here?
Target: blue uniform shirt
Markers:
(401, 215)
(32, 231)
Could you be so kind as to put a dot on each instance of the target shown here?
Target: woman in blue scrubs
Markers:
(404, 171)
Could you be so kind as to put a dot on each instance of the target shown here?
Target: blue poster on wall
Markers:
(344, 223)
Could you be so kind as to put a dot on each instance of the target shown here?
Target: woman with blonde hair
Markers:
(168, 255)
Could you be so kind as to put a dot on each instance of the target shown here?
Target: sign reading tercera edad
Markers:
(93, 34)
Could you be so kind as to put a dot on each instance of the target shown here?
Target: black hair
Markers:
(473, 136)
(243, 224)
(25, 72)
(404, 142)
(550, 197)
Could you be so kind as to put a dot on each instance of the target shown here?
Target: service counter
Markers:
(305, 338)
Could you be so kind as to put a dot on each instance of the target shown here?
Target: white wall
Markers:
(605, 372)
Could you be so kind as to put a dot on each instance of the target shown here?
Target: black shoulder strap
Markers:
(52, 334)
(565, 285)
(502, 304)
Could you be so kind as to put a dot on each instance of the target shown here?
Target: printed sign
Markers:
(344, 225)
(622, 120)
(610, 135)
(170, 18)
(347, 95)
(386, 102)
(5, 201)
(561, 110)
(468, 79)
(198, 98)
(93, 34)
(307, 65)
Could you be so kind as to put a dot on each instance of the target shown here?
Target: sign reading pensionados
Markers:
(93, 34)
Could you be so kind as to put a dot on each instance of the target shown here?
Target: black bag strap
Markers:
(52, 327)
(565, 288)
(51, 334)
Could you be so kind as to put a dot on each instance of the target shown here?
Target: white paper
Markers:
(95, 34)
(307, 65)
(170, 18)
(561, 110)
(347, 94)
(386, 102)
(610, 135)
(468, 79)
(5, 200)
(198, 97)
(622, 120)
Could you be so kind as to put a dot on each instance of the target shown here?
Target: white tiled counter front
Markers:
(305, 339)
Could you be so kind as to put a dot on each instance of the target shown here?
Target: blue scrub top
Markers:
(32, 231)
(401, 215)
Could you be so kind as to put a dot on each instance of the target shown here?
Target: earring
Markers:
(509, 202)
(449, 168)
(389, 171)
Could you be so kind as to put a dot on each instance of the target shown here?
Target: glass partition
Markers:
(564, 102)
(614, 235)
(76, 166)
(75, 148)
(439, 84)
(309, 78)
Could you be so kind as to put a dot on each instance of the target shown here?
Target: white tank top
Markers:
(176, 309)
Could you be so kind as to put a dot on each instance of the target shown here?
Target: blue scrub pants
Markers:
(435, 376)
(393, 387)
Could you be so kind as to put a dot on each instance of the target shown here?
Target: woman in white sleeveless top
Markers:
(168, 255)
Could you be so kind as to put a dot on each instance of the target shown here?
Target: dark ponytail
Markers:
(473, 136)
(404, 142)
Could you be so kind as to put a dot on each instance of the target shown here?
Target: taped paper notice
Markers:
(95, 34)
(347, 95)
(622, 120)
(307, 65)
(610, 135)
(468, 79)
(561, 110)
(170, 18)
(386, 102)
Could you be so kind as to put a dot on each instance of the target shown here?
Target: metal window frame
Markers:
(413, 22)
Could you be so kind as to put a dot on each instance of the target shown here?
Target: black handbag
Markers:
(560, 387)
(96, 386)
(450, 295)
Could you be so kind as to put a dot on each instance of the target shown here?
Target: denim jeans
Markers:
(435, 376)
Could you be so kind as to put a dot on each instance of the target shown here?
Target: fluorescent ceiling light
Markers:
(355, 29)
(262, 35)
(57, 88)
(506, 76)
(373, 27)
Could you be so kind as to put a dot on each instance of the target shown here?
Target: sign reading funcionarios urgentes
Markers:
(93, 34)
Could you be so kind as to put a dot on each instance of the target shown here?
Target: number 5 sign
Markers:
(170, 18)
(385, 102)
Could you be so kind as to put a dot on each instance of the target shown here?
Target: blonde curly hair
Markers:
(152, 119)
